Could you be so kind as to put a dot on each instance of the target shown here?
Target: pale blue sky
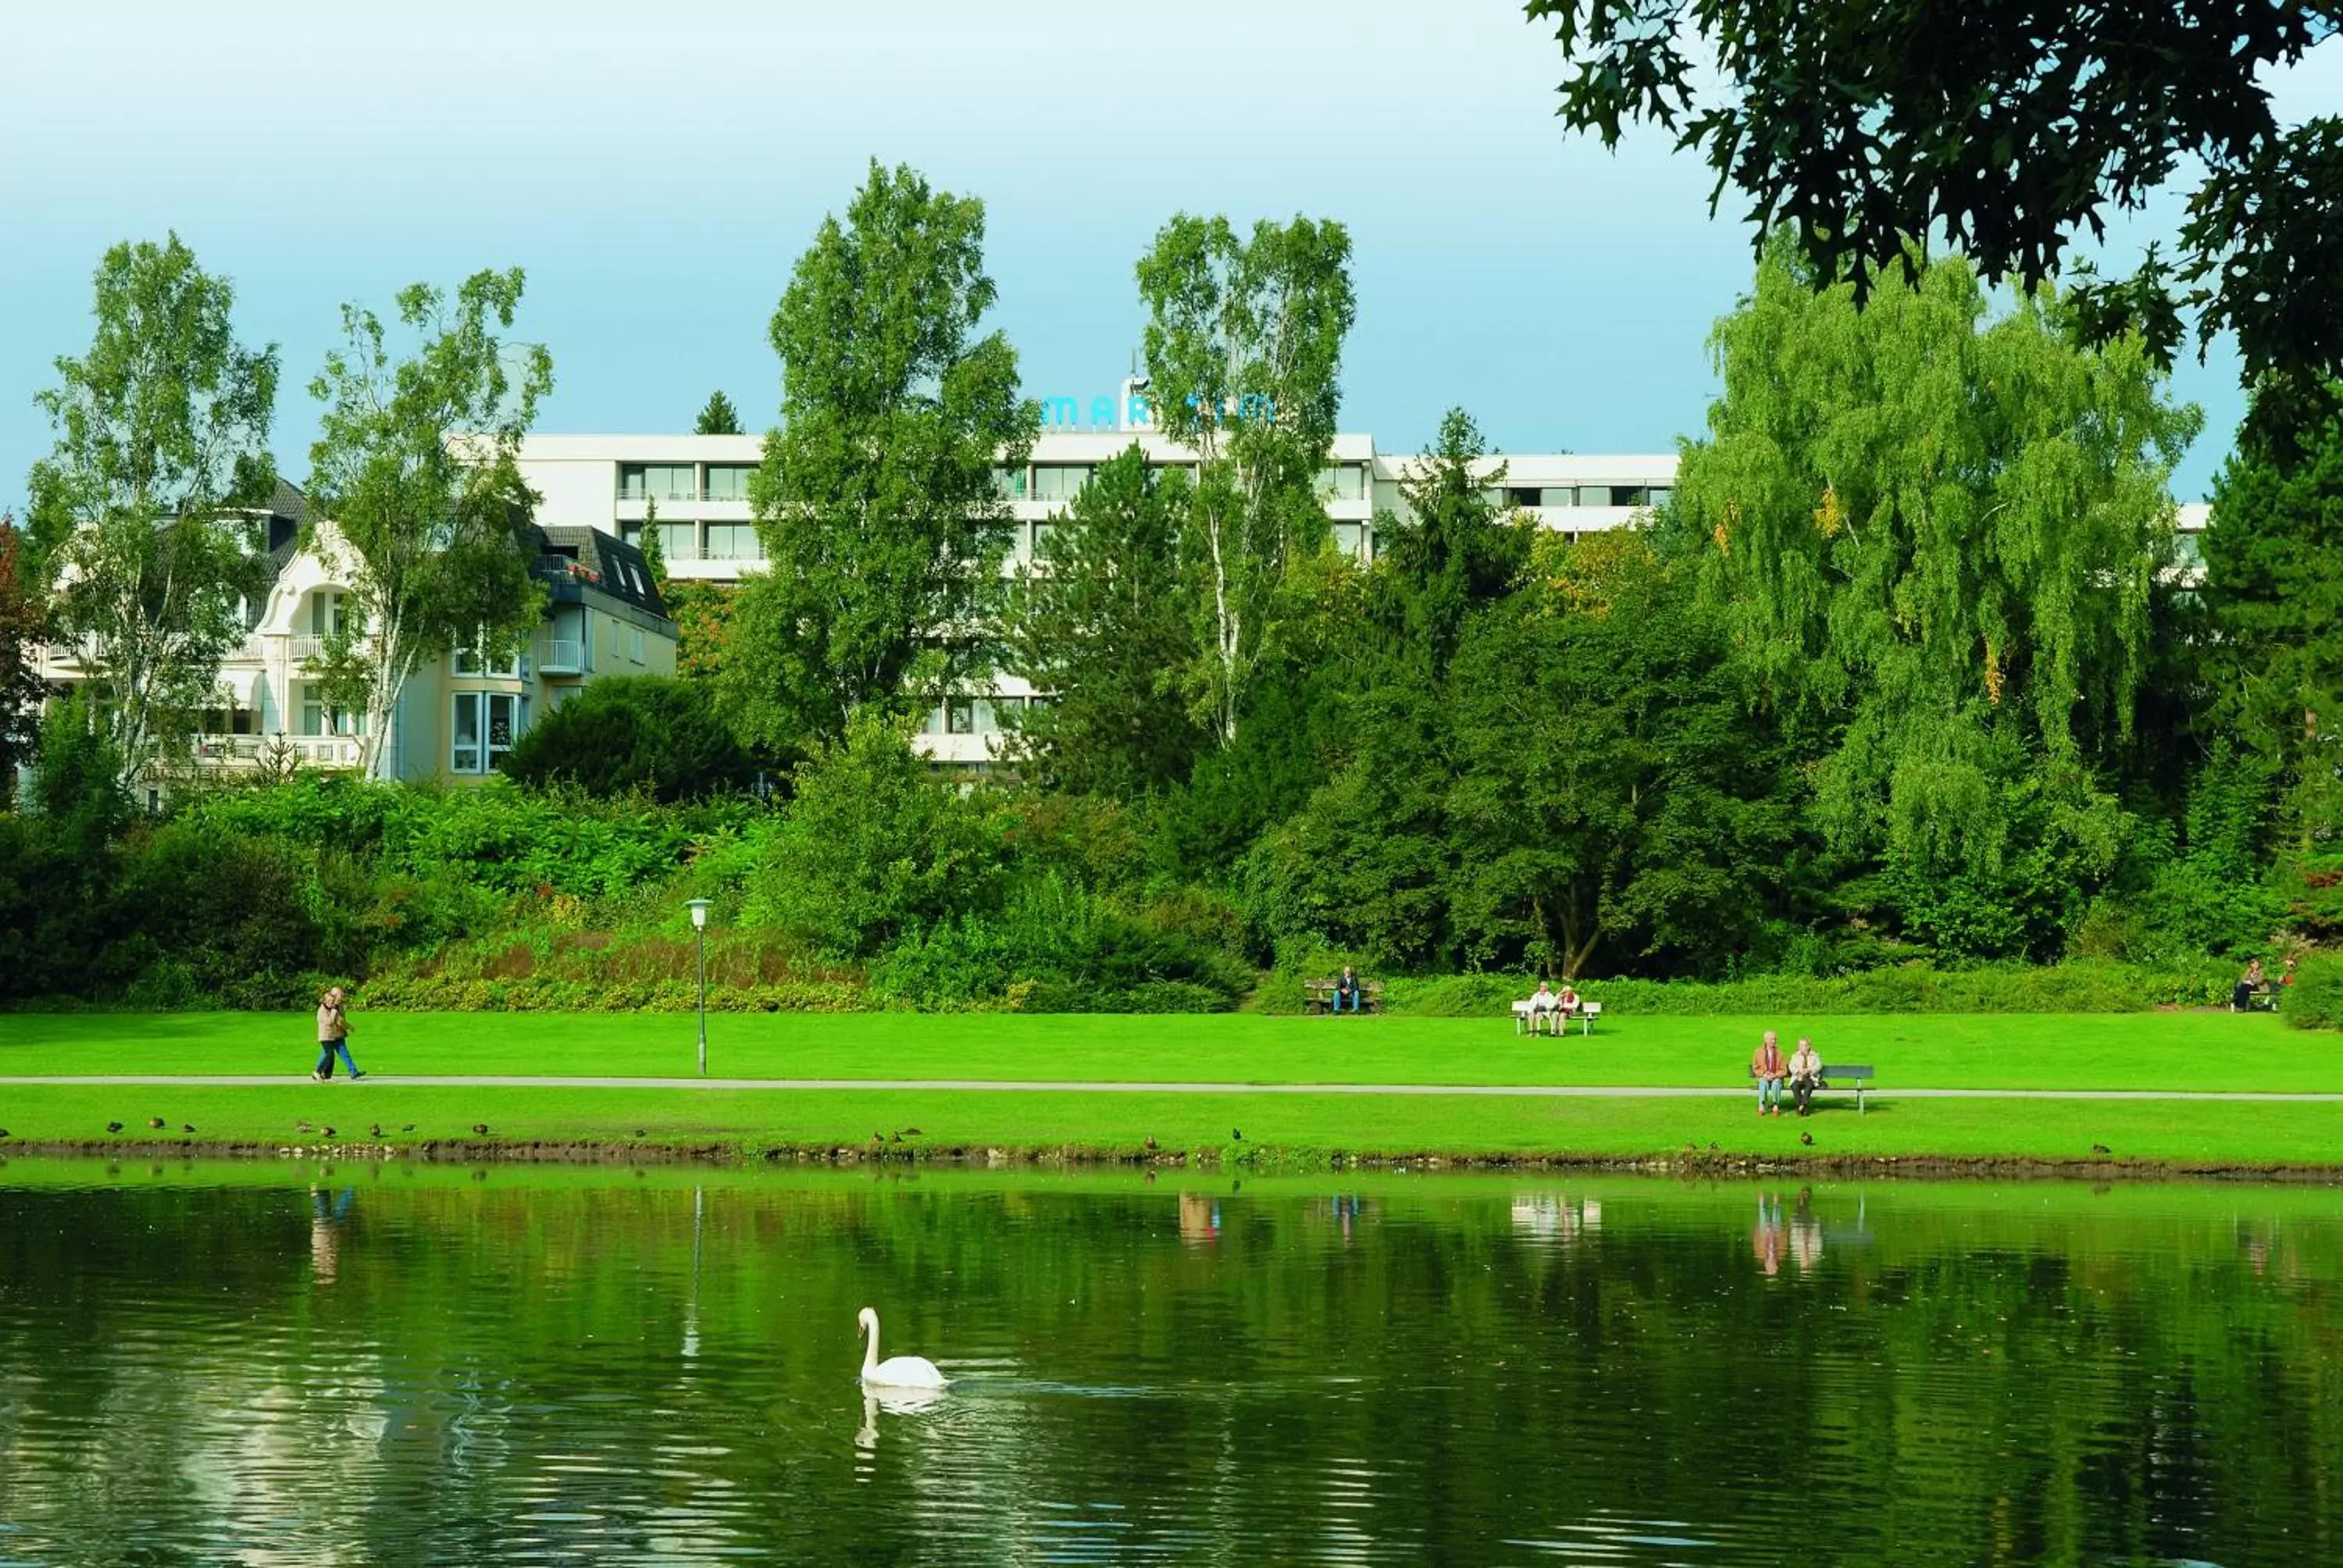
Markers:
(657, 168)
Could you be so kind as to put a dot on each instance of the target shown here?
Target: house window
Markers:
(635, 643)
(1343, 482)
(327, 613)
(321, 718)
(486, 725)
(474, 660)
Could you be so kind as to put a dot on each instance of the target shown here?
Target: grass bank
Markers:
(1294, 1130)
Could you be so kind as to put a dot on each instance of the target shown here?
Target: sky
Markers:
(657, 170)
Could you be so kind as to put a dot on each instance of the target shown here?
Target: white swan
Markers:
(895, 1371)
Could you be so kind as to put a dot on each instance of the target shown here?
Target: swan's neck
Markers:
(871, 1348)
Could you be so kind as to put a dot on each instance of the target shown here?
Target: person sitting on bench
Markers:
(1347, 991)
(1805, 1073)
(1543, 1004)
(1766, 1066)
(2252, 985)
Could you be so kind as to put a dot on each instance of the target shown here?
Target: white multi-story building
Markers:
(697, 488)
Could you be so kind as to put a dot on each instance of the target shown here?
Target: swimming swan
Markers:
(895, 1371)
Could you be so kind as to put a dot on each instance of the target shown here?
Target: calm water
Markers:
(365, 1365)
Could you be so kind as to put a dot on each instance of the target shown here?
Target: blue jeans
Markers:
(1355, 997)
(329, 1049)
(1769, 1092)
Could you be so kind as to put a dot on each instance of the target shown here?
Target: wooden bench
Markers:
(1527, 1019)
(1851, 1075)
(1318, 995)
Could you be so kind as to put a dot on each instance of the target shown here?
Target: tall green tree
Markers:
(1454, 552)
(718, 416)
(140, 509)
(1245, 352)
(1102, 626)
(23, 625)
(876, 501)
(416, 468)
(2008, 128)
(2274, 588)
(1939, 535)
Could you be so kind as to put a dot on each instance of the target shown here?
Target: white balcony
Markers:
(561, 656)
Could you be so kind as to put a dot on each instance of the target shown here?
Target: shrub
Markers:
(229, 913)
(876, 846)
(2315, 1000)
(648, 734)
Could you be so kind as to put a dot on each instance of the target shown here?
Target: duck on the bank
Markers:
(895, 1371)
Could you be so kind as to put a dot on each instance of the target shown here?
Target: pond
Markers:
(406, 1363)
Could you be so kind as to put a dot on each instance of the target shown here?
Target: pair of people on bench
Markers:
(1552, 1004)
(1801, 1071)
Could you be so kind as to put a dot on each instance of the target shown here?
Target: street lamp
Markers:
(699, 908)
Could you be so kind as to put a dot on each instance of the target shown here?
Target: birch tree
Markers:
(140, 511)
(416, 471)
(1244, 347)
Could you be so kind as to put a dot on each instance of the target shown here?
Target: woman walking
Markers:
(334, 1035)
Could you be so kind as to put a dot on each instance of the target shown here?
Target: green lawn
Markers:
(1290, 1127)
(2128, 1051)
(2152, 1050)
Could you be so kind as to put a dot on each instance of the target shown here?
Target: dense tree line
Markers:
(1909, 667)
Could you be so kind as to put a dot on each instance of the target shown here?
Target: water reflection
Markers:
(206, 1365)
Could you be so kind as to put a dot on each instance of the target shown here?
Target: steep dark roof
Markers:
(612, 565)
(290, 501)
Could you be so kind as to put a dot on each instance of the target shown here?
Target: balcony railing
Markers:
(315, 750)
(561, 656)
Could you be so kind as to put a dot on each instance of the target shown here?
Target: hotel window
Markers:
(1525, 495)
(1660, 496)
(960, 716)
(1059, 481)
(1009, 483)
(1343, 482)
(1630, 496)
(679, 542)
(1558, 495)
(486, 725)
(1351, 538)
(658, 482)
(734, 542)
(729, 482)
(933, 724)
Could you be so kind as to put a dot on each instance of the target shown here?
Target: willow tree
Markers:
(1939, 530)
(1244, 345)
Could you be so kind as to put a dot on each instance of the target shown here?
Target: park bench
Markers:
(1849, 1074)
(1528, 1019)
(1318, 995)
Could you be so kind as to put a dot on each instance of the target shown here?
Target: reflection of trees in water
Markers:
(2096, 1376)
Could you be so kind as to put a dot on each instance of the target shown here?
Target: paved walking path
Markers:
(1090, 1086)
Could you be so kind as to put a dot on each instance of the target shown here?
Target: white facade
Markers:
(698, 487)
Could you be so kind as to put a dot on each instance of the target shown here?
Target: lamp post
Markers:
(699, 908)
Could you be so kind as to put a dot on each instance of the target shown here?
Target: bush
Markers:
(1055, 948)
(648, 734)
(2315, 1000)
(2080, 986)
(875, 847)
